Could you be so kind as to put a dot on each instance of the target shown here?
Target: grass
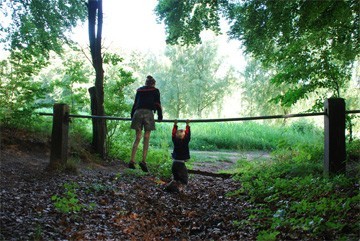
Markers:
(241, 135)
(290, 196)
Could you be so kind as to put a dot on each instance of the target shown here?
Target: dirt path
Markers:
(114, 204)
(215, 161)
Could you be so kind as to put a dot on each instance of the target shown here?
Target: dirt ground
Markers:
(106, 201)
(114, 205)
(215, 161)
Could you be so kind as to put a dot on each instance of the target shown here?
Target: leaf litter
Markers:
(113, 203)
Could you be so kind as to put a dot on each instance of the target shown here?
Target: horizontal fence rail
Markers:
(334, 131)
(352, 112)
(207, 120)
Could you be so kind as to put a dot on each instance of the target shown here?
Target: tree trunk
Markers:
(97, 92)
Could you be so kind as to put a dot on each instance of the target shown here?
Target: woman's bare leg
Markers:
(146, 144)
(135, 145)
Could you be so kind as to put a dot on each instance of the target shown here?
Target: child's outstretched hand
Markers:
(187, 122)
(175, 122)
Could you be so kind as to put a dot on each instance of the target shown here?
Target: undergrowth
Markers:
(292, 199)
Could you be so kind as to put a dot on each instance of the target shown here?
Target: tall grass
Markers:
(208, 136)
(242, 135)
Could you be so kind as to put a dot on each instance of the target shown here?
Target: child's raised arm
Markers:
(187, 130)
(173, 134)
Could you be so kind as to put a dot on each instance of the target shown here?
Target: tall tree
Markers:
(210, 80)
(258, 92)
(192, 79)
(95, 17)
(177, 82)
(311, 44)
(39, 27)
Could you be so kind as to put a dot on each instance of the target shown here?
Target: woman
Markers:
(147, 101)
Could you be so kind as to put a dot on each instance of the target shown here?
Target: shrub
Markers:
(290, 196)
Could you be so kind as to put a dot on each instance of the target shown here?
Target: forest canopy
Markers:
(311, 45)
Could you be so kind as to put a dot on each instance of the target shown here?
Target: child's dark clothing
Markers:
(180, 155)
(180, 172)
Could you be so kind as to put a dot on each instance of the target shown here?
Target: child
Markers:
(180, 155)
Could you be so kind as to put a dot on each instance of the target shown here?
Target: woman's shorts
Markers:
(143, 118)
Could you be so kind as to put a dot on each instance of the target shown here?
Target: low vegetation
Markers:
(288, 194)
(291, 195)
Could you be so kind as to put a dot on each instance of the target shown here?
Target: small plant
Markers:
(267, 235)
(69, 202)
(134, 172)
(38, 233)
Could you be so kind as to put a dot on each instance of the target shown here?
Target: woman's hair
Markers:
(150, 80)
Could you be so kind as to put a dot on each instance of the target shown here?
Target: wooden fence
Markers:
(334, 132)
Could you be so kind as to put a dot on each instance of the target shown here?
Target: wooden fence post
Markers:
(59, 136)
(334, 143)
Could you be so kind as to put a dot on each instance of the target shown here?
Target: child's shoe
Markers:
(172, 187)
(131, 165)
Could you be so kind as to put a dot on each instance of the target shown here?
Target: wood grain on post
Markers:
(59, 136)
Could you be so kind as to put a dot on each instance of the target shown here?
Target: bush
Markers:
(290, 196)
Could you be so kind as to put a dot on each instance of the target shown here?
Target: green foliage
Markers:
(37, 236)
(302, 127)
(192, 80)
(160, 162)
(199, 68)
(116, 81)
(18, 95)
(68, 202)
(267, 236)
(71, 84)
(66, 82)
(353, 158)
(243, 136)
(290, 195)
(121, 142)
(22, 92)
(257, 78)
(186, 19)
(353, 149)
(38, 27)
(311, 45)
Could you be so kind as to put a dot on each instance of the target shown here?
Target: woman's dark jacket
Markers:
(147, 97)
